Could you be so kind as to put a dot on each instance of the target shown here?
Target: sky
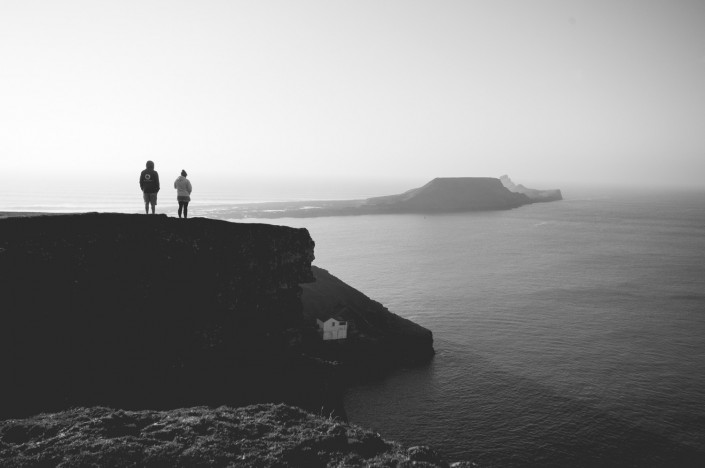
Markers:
(547, 91)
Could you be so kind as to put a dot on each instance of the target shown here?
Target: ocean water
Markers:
(567, 334)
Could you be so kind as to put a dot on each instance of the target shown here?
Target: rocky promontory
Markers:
(440, 195)
(536, 196)
(152, 312)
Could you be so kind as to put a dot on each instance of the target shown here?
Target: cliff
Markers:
(137, 312)
(150, 312)
(449, 194)
(145, 311)
(254, 436)
(440, 195)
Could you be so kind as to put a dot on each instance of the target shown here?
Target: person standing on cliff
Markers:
(183, 193)
(149, 183)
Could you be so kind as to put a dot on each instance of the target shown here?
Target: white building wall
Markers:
(331, 329)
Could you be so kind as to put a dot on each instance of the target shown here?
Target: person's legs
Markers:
(146, 207)
(181, 207)
(185, 210)
(153, 200)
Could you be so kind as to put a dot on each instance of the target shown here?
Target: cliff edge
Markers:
(146, 311)
(152, 312)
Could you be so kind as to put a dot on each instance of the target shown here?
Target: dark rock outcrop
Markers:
(147, 311)
(151, 312)
(254, 436)
(535, 195)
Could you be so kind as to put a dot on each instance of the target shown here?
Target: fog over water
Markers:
(106, 192)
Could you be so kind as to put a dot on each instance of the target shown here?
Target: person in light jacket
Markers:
(183, 193)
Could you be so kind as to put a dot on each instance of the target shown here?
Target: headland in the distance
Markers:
(440, 195)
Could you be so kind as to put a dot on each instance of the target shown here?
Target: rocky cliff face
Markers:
(151, 312)
(146, 311)
(451, 194)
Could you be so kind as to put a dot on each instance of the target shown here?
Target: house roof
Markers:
(333, 317)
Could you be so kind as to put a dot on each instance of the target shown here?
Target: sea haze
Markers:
(211, 193)
(567, 333)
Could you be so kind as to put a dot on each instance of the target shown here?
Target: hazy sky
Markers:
(543, 90)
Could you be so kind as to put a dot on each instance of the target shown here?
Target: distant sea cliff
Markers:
(440, 195)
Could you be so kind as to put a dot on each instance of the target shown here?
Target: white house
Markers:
(333, 328)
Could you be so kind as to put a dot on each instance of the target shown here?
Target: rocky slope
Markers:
(377, 339)
(136, 311)
(255, 436)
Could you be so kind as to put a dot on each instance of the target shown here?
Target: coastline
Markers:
(234, 334)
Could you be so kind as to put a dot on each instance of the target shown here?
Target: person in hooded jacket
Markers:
(183, 193)
(149, 183)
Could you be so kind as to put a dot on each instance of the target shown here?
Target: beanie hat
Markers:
(183, 173)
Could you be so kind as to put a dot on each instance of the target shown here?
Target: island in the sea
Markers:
(440, 195)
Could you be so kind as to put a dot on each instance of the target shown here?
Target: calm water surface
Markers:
(567, 334)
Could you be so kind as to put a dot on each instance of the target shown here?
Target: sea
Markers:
(569, 333)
